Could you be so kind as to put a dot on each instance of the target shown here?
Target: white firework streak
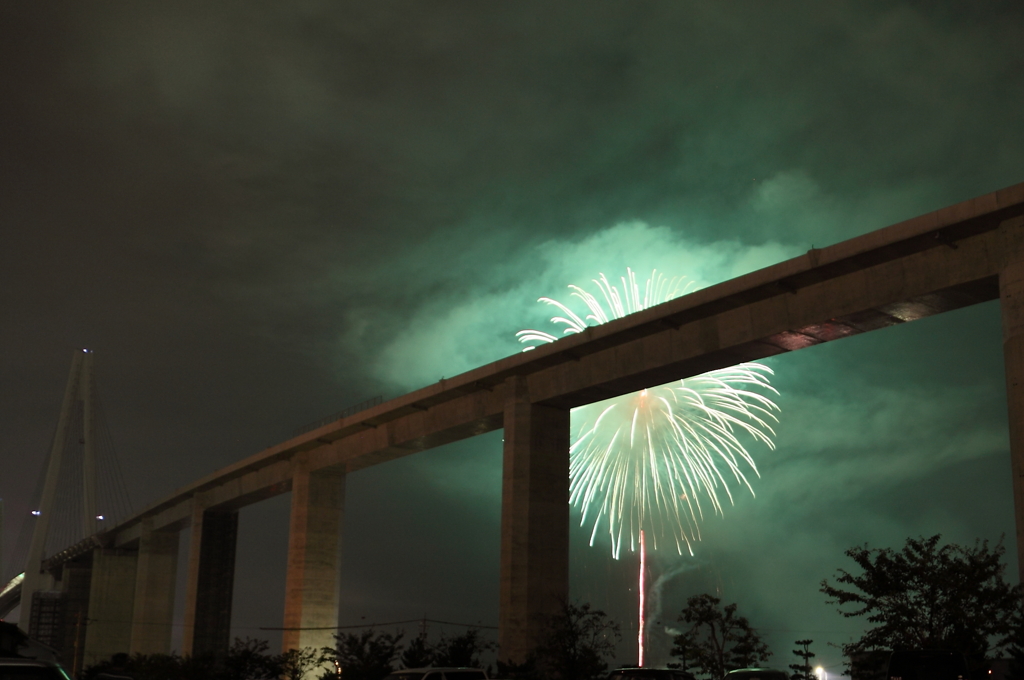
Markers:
(643, 461)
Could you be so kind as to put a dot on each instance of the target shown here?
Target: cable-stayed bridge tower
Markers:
(81, 491)
(80, 389)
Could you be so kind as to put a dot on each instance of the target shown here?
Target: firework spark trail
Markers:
(645, 460)
(643, 601)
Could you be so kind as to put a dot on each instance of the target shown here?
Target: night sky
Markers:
(258, 213)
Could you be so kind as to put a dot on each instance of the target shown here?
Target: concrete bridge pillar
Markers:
(153, 614)
(210, 583)
(534, 581)
(1011, 300)
(111, 596)
(314, 556)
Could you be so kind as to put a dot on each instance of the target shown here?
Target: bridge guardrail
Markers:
(344, 413)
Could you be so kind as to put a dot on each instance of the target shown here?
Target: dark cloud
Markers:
(258, 213)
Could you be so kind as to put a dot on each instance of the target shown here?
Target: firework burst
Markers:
(656, 460)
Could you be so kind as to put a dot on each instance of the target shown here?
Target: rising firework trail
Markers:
(646, 465)
(643, 604)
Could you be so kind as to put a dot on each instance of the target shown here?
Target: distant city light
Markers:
(99, 516)
(36, 513)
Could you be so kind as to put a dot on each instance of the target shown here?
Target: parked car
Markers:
(756, 674)
(647, 673)
(436, 674)
(13, 668)
(15, 643)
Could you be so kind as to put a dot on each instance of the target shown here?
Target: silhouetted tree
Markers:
(367, 655)
(248, 660)
(1015, 647)
(527, 670)
(160, 667)
(803, 671)
(418, 653)
(717, 640)
(116, 668)
(577, 642)
(928, 596)
(461, 650)
(295, 664)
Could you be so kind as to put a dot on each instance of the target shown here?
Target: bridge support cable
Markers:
(115, 501)
(87, 394)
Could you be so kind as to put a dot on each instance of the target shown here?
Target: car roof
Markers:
(22, 661)
(435, 668)
(647, 669)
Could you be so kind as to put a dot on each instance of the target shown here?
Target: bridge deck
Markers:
(930, 264)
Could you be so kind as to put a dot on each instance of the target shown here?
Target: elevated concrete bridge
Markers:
(961, 255)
